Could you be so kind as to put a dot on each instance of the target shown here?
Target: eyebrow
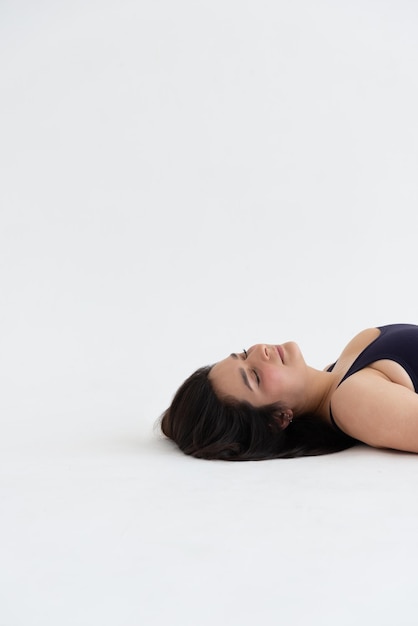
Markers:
(243, 373)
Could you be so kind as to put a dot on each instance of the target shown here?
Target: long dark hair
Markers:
(206, 427)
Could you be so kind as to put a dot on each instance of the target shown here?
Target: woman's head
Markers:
(211, 415)
(208, 427)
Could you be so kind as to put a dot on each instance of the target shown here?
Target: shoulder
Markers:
(377, 411)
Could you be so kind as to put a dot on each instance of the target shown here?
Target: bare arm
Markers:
(377, 411)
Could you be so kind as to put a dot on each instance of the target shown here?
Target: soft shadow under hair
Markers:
(206, 427)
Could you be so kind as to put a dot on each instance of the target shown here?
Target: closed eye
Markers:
(257, 377)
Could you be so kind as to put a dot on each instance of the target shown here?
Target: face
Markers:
(262, 375)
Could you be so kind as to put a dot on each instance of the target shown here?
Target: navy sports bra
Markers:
(396, 342)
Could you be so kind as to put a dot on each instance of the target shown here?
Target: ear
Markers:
(284, 418)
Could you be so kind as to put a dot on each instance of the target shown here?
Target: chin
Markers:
(293, 348)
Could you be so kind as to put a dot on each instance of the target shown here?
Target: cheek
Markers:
(273, 380)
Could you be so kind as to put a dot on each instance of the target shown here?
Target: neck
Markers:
(320, 386)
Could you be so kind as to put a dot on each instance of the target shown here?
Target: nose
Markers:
(261, 351)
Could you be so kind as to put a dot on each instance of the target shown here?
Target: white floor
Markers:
(180, 180)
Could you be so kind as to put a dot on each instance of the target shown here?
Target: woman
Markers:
(266, 402)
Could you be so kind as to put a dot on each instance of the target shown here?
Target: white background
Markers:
(179, 180)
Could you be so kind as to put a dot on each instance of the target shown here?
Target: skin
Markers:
(267, 374)
(377, 405)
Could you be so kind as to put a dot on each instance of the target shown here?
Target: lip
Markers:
(281, 353)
